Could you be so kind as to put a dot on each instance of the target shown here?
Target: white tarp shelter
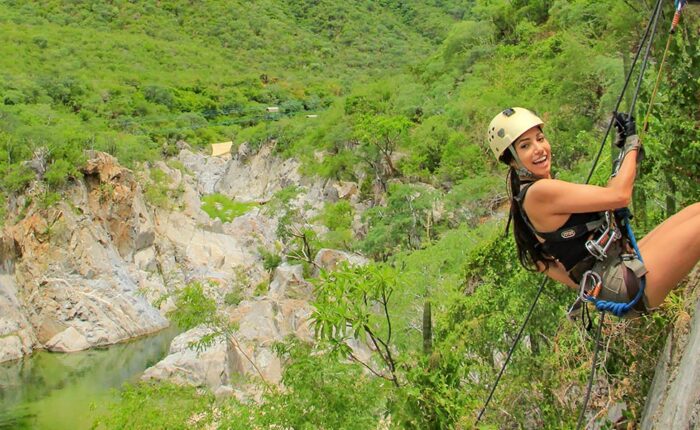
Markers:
(223, 148)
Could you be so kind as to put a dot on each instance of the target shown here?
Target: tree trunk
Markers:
(427, 328)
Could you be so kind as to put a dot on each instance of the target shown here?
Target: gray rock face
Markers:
(210, 367)
(329, 259)
(674, 397)
(68, 280)
(16, 334)
(207, 171)
(258, 176)
(260, 322)
(288, 281)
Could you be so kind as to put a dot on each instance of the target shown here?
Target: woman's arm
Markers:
(556, 271)
(549, 197)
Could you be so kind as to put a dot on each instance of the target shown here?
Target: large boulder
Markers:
(347, 190)
(69, 340)
(329, 259)
(210, 367)
(288, 282)
(249, 350)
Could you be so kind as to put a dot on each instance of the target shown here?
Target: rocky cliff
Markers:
(98, 267)
(673, 401)
(68, 279)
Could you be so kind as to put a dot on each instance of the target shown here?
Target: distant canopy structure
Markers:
(219, 149)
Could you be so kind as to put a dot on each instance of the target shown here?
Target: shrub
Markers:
(224, 208)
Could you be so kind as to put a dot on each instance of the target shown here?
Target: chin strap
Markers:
(522, 172)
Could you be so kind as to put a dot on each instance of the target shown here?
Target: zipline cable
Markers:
(651, 23)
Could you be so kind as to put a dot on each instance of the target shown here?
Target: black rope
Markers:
(650, 25)
(593, 366)
(657, 13)
(512, 349)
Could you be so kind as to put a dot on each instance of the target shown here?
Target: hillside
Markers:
(389, 173)
(132, 78)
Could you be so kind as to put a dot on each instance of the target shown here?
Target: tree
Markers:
(353, 303)
(379, 136)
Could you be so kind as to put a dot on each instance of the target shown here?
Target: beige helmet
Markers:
(507, 126)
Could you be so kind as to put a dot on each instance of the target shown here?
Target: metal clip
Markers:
(599, 247)
(595, 283)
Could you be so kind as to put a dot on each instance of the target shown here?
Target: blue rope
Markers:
(616, 308)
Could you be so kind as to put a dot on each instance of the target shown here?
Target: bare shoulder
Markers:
(545, 189)
(555, 197)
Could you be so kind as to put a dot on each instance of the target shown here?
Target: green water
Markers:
(67, 391)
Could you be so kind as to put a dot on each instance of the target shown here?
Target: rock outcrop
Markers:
(329, 259)
(248, 350)
(186, 365)
(71, 278)
(673, 401)
(93, 269)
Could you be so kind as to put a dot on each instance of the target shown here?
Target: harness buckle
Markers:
(598, 247)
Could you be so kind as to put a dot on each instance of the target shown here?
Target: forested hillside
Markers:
(399, 93)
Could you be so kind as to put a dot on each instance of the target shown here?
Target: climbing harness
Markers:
(592, 282)
(563, 234)
(591, 285)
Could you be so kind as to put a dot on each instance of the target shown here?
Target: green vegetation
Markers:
(233, 298)
(337, 217)
(159, 406)
(192, 307)
(403, 91)
(319, 392)
(159, 190)
(222, 207)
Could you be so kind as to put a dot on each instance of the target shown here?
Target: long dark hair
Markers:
(529, 248)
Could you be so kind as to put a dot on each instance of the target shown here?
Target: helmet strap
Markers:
(523, 173)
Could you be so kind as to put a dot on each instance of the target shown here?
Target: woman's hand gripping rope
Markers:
(626, 139)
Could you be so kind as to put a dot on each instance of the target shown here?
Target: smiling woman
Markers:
(572, 232)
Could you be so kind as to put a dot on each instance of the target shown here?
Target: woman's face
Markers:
(534, 152)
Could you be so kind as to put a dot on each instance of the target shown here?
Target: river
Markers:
(67, 391)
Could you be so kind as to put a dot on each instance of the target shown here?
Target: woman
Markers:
(555, 222)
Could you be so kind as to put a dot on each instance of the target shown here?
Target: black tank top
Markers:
(568, 252)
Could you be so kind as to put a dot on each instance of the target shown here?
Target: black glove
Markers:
(625, 126)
